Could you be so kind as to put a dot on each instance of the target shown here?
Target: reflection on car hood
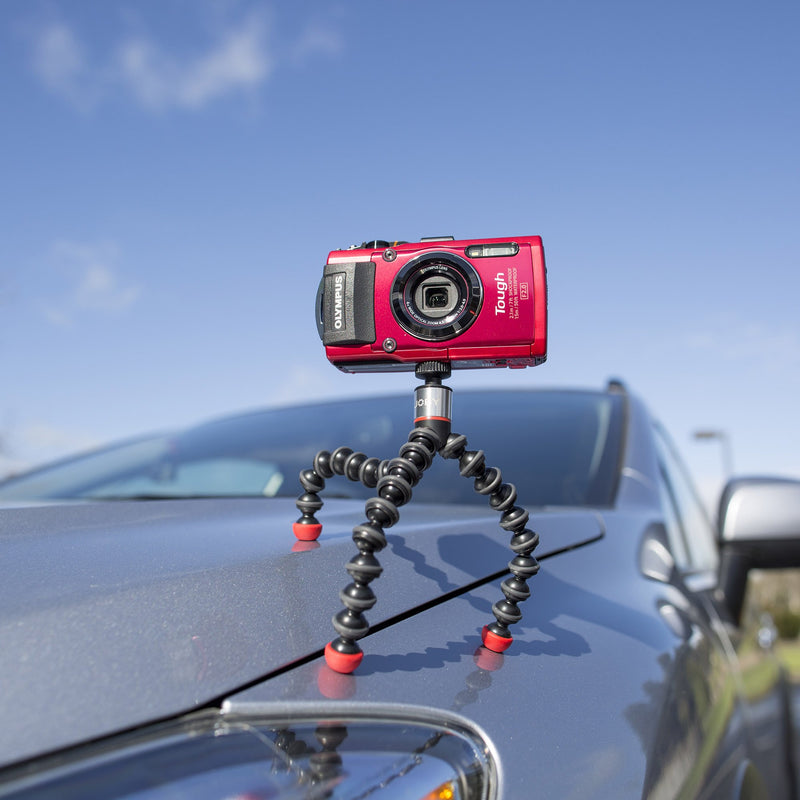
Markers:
(115, 614)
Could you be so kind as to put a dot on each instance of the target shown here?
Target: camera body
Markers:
(471, 303)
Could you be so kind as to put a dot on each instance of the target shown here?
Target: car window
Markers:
(70, 477)
(691, 533)
(204, 476)
(558, 448)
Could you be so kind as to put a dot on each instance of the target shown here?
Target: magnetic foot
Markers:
(306, 531)
(344, 663)
(494, 642)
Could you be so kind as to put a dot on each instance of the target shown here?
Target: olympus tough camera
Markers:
(474, 303)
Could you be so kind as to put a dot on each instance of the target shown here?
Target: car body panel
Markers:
(601, 695)
(626, 677)
(119, 613)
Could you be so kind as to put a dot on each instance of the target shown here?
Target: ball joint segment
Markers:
(354, 466)
(488, 481)
(394, 490)
(394, 481)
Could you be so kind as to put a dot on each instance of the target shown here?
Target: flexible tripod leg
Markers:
(394, 490)
(343, 461)
(502, 497)
(397, 478)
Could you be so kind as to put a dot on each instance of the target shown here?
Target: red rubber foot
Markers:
(342, 662)
(493, 642)
(306, 532)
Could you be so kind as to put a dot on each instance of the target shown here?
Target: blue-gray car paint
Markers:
(118, 614)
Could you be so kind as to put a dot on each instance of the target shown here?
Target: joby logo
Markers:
(429, 404)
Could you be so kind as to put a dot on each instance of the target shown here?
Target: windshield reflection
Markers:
(559, 448)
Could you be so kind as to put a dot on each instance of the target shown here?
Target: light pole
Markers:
(725, 446)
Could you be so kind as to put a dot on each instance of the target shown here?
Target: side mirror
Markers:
(758, 528)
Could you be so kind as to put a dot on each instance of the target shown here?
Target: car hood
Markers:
(120, 613)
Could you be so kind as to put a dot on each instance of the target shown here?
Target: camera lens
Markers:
(436, 296)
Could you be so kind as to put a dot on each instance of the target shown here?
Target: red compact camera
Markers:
(474, 303)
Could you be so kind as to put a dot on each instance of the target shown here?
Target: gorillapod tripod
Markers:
(394, 480)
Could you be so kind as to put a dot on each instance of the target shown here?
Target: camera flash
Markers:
(492, 250)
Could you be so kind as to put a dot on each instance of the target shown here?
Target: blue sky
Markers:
(175, 172)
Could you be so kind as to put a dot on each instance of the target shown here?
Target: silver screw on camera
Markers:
(389, 254)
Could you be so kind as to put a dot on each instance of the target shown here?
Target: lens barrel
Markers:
(436, 296)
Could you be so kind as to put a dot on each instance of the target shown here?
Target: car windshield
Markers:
(558, 448)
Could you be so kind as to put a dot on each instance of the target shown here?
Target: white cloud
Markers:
(240, 60)
(58, 57)
(93, 282)
(300, 383)
(37, 442)
(43, 437)
(317, 39)
(60, 62)
(732, 339)
(161, 76)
